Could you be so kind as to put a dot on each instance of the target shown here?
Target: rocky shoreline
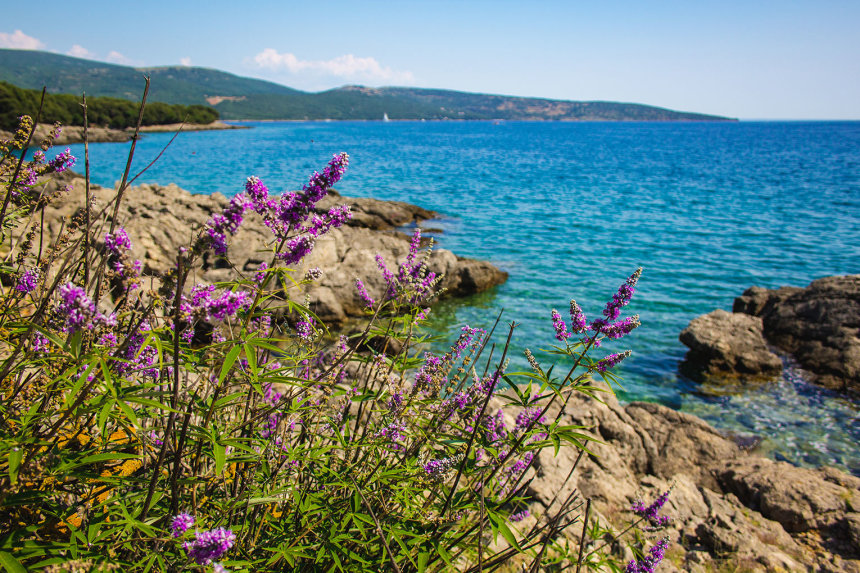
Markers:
(162, 218)
(731, 509)
(819, 326)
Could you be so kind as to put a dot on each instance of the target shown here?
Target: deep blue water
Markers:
(571, 209)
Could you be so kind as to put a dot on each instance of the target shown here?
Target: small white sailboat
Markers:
(385, 116)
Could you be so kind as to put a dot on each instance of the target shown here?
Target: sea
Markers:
(570, 210)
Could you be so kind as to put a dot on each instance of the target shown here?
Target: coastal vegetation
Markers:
(110, 112)
(181, 426)
(245, 98)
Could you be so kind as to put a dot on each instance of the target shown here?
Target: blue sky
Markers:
(750, 59)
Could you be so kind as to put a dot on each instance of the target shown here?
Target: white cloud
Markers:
(79, 51)
(115, 57)
(186, 61)
(18, 40)
(347, 66)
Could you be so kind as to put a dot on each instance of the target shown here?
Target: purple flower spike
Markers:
(28, 281)
(362, 292)
(519, 516)
(118, 242)
(79, 310)
(63, 161)
(622, 297)
(561, 332)
(180, 524)
(210, 545)
(650, 561)
(611, 361)
(652, 512)
(577, 318)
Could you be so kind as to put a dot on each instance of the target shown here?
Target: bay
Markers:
(571, 209)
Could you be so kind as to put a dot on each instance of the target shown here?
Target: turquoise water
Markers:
(571, 209)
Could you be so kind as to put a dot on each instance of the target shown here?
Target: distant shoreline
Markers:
(75, 134)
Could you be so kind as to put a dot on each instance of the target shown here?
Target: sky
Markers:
(747, 59)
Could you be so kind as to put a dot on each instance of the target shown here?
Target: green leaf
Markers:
(15, 464)
(229, 360)
(11, 564)
(220, 453)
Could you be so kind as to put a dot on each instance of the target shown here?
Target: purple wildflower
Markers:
(79, 310)
(180, 524)
(622, 297)
(28, 281)
(394, 432)
(362, 292)
(652, 512)
(335, 217)
(620, 328)
(437, 469)
(118, 242)
(259, 195)
(296, 249)
(561, 332)
(226, 222)
(528, 417)
(430, 370)
(136, 357)
(611, 361)
(519, 516)
(260, 275)
(305, 328)
(40, 343)
(227, 305)
(577, 318)
(62, 161)
(648, 563)
(210, 545)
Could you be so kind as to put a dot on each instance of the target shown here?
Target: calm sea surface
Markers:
(571, 209)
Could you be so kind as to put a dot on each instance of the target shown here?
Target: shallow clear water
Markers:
(571, 209)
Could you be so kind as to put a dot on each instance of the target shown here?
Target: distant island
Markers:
(235, 97)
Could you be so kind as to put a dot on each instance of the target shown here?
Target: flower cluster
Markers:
(519, 516)
(79, 310)
(210, 545)
(610, 361)
(287, 216)
(362, 292)
(438, 469)
(561, 332)
(180, 524)
(648, 563)
(651, 513)
(414, 281)
(118, 247)
(28, 281)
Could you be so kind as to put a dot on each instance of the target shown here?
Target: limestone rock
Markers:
(160, 219)
(728, 345)
(819, 325)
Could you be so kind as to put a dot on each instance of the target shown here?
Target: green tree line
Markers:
(101, 111)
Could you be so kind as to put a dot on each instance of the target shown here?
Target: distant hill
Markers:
(236, 97)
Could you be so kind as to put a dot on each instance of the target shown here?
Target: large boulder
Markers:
(728, 345)
(819, 325)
